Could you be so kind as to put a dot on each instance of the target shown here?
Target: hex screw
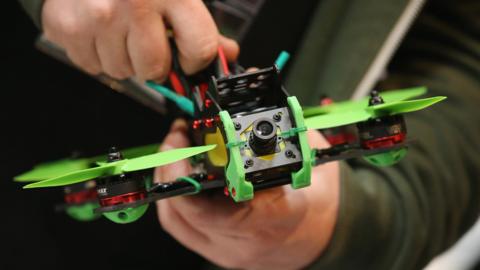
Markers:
(237, 126)
(277, 117)
(289, 154)
(248, 163)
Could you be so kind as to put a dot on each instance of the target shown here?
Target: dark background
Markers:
(49, 110)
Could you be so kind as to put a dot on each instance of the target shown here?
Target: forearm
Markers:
(400, 217)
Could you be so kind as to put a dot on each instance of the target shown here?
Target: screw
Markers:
(277, 117)
(237, 125)
(289, 154)
(248, 163)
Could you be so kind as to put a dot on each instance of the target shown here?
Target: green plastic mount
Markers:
(193, 182)
(302, 177)
(240, 190)
(386, 159)
(83, 212)
(128, 215)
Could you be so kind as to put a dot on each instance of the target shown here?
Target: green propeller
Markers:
(53, 169)
(388, 96)
(123, 166)
(350, 117)
(65, 166)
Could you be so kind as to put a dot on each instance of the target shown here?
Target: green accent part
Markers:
(128, 215)
(83, 212)
(235, 143)
(292, 132)
(282, 59)
(65, 166)
(302, 177)
(182, 102)
(404, 106)
(386, 159)
(53, 169)
(350, 117)
(78, 176)
(148, 181)
(123, 166)
(193, 182)
(239, 189)
(164, 158)
(337, 119)
(388, 97)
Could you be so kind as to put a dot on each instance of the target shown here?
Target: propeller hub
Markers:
(114, 155)
(375, 98)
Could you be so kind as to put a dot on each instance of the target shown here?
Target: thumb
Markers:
(230, 48)
(176, 138)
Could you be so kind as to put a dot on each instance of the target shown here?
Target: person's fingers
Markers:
(148, 48)
(230, 48)
(70, 35)
(317, 140)
(176, 138)
(221, 213)
(180, 229)
(195, 33)
(112, 50)
(82, 52)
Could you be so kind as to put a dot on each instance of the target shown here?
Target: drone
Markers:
(249, 135)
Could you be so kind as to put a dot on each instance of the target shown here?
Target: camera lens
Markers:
(263, 139)
(264, 128)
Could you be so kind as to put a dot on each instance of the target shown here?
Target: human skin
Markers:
(280, 228)
(129, 37)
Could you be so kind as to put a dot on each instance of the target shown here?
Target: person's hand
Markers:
(280, 228)
(128, 38)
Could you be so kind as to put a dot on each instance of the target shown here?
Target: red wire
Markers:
(223, 60)
(176, 84)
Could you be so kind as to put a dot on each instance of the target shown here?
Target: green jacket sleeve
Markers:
(34, 10)
(400, 217)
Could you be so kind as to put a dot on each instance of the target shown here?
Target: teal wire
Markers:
(282, 60)
(182, 102)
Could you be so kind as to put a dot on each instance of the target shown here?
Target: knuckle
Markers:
(103, 11)
(70, 27)
(207, 50)
(156, 72)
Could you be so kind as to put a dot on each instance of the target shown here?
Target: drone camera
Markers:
(263, 138)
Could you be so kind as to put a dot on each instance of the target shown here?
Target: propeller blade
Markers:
(78, 176)
(140, 151)
(403, 106)
(164, 158)
(65, 166)
(337, 119)
(388, 97)
(53, 169)
(349, 117)
(402, 94)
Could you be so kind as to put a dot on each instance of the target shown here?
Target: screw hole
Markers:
(122, 215)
